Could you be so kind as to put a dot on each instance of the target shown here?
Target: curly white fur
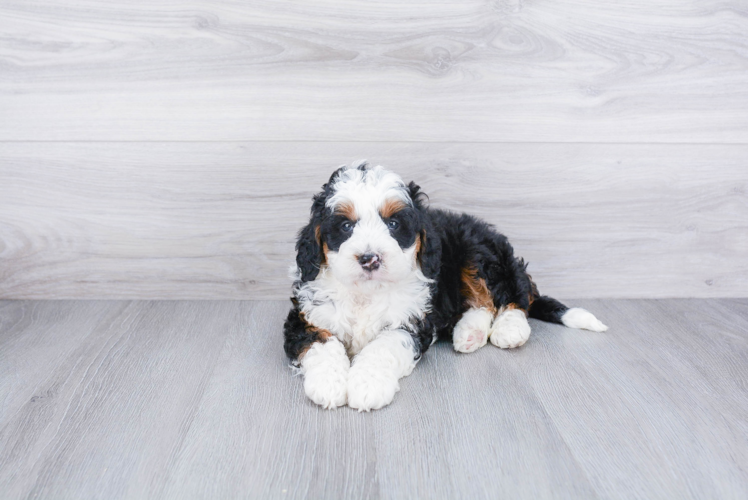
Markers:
(376, 370)
(357, 316)
(325, 368)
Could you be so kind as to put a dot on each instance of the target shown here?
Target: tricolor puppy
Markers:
(380, 277)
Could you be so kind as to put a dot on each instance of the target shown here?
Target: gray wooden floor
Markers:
(178, 399)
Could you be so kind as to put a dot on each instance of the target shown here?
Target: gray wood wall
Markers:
(169, 149)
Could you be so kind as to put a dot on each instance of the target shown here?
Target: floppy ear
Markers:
(309, 251)
(430, 250)
(309, 255)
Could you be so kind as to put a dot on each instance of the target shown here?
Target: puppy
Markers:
(379, 277)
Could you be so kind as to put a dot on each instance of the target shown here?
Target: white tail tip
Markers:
(577, 317)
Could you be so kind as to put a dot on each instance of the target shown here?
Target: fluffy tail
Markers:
(548, 309)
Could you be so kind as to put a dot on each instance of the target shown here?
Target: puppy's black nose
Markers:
(369, 261)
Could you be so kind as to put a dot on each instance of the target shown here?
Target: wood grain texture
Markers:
(254, 434)
(196, 400)
(59, 332)
(218, 220)
(110, 417)
(664, 378)
(475, 70)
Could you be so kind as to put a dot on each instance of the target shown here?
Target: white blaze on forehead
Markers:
(368, 190)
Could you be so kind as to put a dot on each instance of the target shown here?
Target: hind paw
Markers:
(510, 329)
(471, 332)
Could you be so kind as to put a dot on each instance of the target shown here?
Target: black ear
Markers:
(309, 254)
(309, 251)
(430, 252)
(419, 197)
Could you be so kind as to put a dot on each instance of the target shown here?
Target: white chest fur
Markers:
(356, 315)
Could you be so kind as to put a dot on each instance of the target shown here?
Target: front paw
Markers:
(370, 388)
(327, 388)
(325, 369)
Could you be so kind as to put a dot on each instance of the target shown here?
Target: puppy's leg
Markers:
(471, 332)
(325, 367)
(321, 358)
(510, 328)
(374, 375)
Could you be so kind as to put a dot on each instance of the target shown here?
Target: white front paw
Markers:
(371, 388)
(510, 329)
(325, 367)
(326, 388)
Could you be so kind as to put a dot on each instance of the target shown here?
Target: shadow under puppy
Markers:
(379, 277)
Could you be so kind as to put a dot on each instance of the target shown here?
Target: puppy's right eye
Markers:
(347, 226)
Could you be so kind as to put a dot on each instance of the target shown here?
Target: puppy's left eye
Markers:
(393, 224)
(347, 226)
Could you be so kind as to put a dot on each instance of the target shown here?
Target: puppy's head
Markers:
(367, 228)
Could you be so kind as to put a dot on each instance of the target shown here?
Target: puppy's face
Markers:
(368, 232)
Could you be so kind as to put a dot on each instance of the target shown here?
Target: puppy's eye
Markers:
(347, 226)
(393, 224)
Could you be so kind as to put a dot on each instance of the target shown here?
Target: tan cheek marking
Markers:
(476, 293)
(324, 253)
(318, 235)
(417, 253)
(390, 208)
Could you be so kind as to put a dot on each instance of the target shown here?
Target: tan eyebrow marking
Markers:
(347, 209)
(391, 207)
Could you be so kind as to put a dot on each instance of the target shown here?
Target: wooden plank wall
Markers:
(169, 149)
